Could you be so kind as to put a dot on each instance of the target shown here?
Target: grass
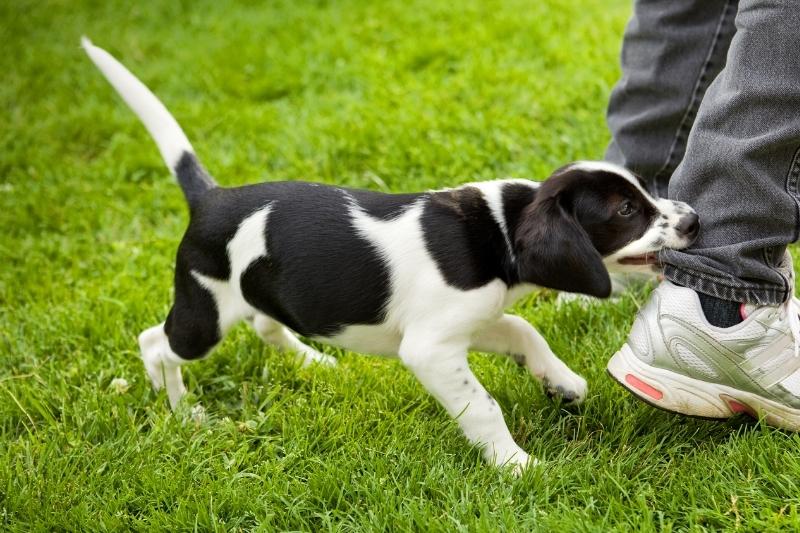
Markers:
(396, 96)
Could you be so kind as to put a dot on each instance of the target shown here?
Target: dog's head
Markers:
(592, 217)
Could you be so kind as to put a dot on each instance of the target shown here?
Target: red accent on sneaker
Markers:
(743, 311)
(644, 387)
(738, 407)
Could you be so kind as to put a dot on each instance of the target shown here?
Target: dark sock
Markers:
(719, 312)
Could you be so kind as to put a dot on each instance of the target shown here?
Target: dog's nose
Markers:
(689, 225)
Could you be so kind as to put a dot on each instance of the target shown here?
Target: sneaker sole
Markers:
(684, 395)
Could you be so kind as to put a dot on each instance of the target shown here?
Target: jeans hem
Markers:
(726, 288)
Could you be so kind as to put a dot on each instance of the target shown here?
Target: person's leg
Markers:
(740, 172)
(671, 51)
(741, 167)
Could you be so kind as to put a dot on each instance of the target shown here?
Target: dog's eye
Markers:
(627, 209)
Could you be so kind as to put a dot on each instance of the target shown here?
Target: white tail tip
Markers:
(171, 141)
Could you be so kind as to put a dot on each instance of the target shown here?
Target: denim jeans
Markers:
(708, 112)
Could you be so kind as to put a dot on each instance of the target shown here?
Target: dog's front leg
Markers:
(513, 336)
(442, 368)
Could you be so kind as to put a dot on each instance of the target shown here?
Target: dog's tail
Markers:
(175, 148)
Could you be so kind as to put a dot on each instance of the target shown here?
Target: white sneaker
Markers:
(675, 360)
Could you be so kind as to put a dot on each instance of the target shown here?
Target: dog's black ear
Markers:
(552, 248)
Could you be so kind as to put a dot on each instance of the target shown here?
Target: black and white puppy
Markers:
(423, 276)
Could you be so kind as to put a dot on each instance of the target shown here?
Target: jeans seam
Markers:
(700, 86)
(792, 188)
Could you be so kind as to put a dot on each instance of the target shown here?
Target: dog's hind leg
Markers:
(191, 330)
(275, 333)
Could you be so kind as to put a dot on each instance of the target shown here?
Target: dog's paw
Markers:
(312, 357)
(566, 386)
(150, 341)
(583, 300)
(513, 458)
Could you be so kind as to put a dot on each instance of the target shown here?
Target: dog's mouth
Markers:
(649, 258)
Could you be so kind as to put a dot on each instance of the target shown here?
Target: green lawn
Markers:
(395, 96)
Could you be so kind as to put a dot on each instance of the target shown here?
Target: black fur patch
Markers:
(464, 239)
(319, 274)
(381, 205)
(516, 196)
(192, 326)
(193, 178)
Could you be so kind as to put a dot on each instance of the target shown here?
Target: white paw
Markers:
(198, 415)
(315, 357)
(159, 361)
(155, 375)
(565, 384)
(583, 300)
(149, 344)
(513, 458)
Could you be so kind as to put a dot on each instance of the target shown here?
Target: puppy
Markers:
(422, 276)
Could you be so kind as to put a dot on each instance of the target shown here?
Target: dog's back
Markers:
(294, 251)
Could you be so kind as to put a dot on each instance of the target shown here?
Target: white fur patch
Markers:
(247, 245)
(605, 166)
